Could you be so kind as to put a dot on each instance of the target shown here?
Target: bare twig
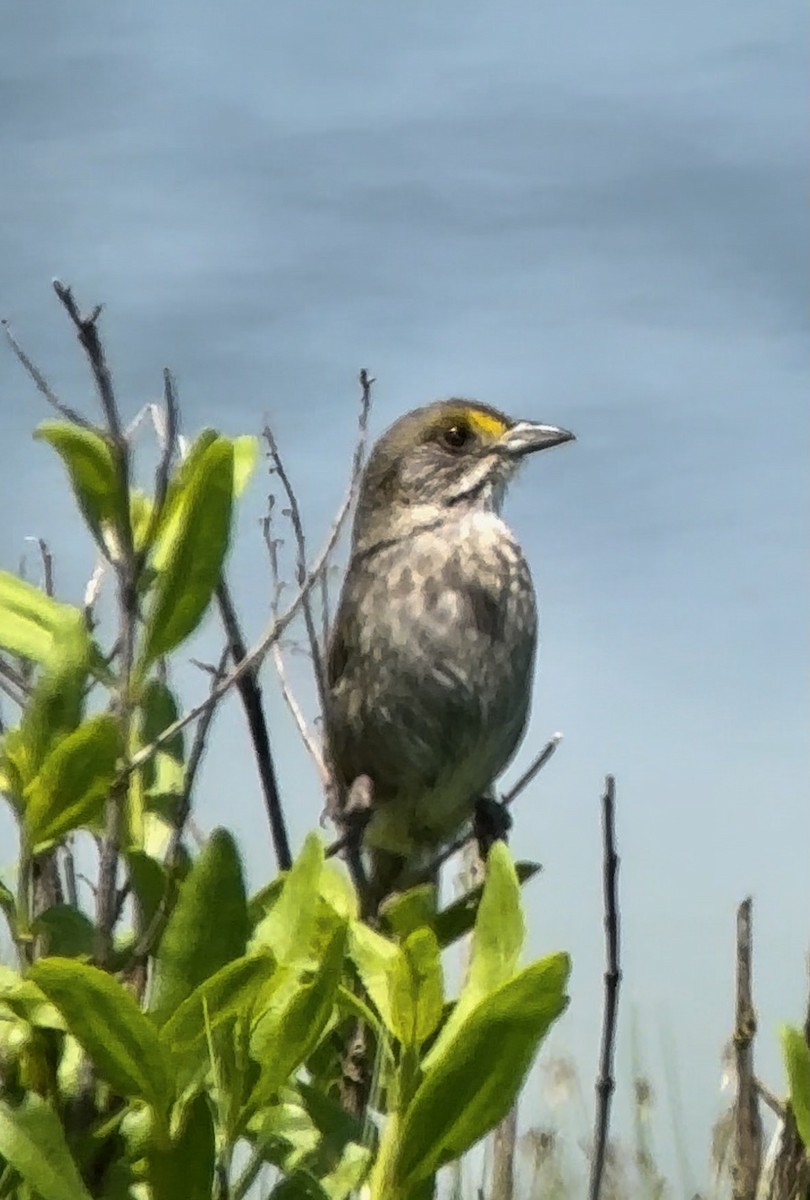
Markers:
(287, 693)
(47, 566)
(534, 767)
(274, 630)
(87, 329)
(14, 686)
(317, 650)
(317, 642)
(277, 625)
(747, 1151)
(41, 383)
(250, 694)
(771, 1101)
(167, 435)
(605, 1083)
(504, 1144)
(127, 569)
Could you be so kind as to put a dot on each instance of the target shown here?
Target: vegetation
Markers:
(166, 1036)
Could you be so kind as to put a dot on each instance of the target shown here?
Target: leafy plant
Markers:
(174, 1036)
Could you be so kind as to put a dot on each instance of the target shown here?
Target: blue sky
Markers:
(592, 215)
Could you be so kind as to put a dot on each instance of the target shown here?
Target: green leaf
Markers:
(300, 1185)
(417, 996)
(180, 478)
(499, 927)
(23, 997)
(207, 929)
(93, 477)
(403, 912)
(163, 774)
(8, 906)
(74, 781)
(345, 1178)
(289, 926)
(66, 931)
(149, 880)
(230, 993)
(496, 942)
(796, 1053)
(245, 457)
(189, 553)
(377, 962)
(478, 1076)
(32, 1141)
(453, 922)
(186, 1167)
(286, 1036)
(56, 704)
(32, 625)
(105, 1019)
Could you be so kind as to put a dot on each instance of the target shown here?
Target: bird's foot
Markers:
(491, 823)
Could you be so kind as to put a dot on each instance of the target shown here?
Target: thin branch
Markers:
(127, 569)
(86, 327)
(747, 1152)
(250, 694)
(605, 1083)
(533, 769)
(167, 437)
(287, 693)
(771, 1101)
(277, 625)
(16, 690)
(273, 631)
(294, 512)
(70, 873)
(47, 567)
(41, 383)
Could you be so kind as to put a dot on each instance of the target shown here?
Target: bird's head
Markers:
(454, 454)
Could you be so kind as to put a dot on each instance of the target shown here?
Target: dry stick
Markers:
(168, 439)
(276, 625)
(747, 1151)
(42, 384)
(250, 694)
(605, 1083)
(287, 694)
(315, 647)
(126, 568)
(13, 686)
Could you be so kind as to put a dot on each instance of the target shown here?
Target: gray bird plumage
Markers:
(432, 652)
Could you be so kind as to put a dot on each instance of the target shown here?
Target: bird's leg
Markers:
(355, 816)
(491, 823)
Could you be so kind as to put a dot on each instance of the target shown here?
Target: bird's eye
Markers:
(456, 436)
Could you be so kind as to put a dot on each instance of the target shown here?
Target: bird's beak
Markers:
(525, 437)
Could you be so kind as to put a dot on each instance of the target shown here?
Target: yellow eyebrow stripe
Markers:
(486, 424)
